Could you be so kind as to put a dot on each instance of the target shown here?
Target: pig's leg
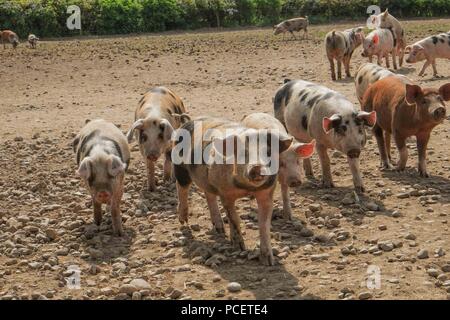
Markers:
(435, 73)
(183, 205)
(116, 216)
(167, 168)
(216, 219)
(356, 174)
(307, 166)
(378, 132)
(422, 142)
(151, 182)
(265, 208)
(370, 59)
(347, 66)
(426, 64)
(379, 60)
(387, 142)
(333, 74)
(394, 58)
(388, 65)
(235, 223)
(287, 211)
(339, 68)
(400, 141)
(97, 212)
(327, 180)
(293, 35)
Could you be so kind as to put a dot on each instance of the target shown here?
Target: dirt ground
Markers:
(46, 224)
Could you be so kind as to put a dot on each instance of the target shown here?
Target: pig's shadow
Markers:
(404, 70)
(102, 244)
(411, 177)
(345, 80)
(265, 282)
(438, 78)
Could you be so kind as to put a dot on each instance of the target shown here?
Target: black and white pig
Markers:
(230, 182)
(103, 156)
(310, 111)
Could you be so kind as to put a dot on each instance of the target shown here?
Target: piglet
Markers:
(289, 174)
(103, 156)
(230, 167)
(405, 110)
(380, 42)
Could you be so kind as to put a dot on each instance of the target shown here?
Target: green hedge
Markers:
(47, 18)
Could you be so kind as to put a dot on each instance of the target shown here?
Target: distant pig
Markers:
(33, 40)
(219, 178)
(310, 111)
(429, 49)
(103, 156)
(389, 22)
(369, 73)
(380, 43)
(7, 36)
(289, 174)
(339, 46)
(292, 25)
(405, 110)
(158, 114)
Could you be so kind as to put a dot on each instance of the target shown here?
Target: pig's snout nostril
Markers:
(439, 113)
(354, 153)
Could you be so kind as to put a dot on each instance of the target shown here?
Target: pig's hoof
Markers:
(387, 167)
(360, 189)
(151, 187)
(327, 184)
(399, 169)
(219, 229)
(267, 259)
(118, 232)
(424, 174)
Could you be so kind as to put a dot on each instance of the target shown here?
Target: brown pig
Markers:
(405, 110)
(217, 141)
(7, 36)
(158, 114)
(289, 174)
(291, 25)
(103, 156)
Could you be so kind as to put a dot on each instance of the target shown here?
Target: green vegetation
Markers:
(48, 17)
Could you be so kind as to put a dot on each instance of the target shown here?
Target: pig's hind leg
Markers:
(97, 212)
(183, 183)
(264, 200)
(235, 223)
(216, 218)
(378, 132)
(327, 180)
(422, 143)
(400, 141)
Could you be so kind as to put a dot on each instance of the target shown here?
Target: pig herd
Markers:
(307, 117)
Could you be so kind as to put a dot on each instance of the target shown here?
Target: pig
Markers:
(159, 113)
(292, 25)
(310, 111)
(32, 40)
(369, 73)
(405, 110)
(229, 181)
(380, 42)
(387, 21)
(103, 156)
(7, 36)
(339, 46)
(429, 49)
(289, 174)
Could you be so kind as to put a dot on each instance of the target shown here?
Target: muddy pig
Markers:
(289, 174)
(380, 42)
(7, 36)
(292, 25)
(405, 110)
(221, 140)
(103, 156)
(310, 111)
(369, 73)
(429, 49)
(158, 114)
(339, 46)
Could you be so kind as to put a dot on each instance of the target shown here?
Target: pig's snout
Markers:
(354, 153)
(257, 173)
(103, 196)
(439, 113)
(152, 156)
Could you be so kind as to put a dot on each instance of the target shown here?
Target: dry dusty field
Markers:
(46, 224)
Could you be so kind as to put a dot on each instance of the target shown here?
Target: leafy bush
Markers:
(48, 17)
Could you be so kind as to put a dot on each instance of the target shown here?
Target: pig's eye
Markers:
(341, 130)
(160, 136)
(142, 137)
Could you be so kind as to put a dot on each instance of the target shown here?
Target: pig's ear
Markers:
(166, 128)
(444, 91)
(137, 125)
(285, 143)
(84, 170)
(329, 123)
(305, 150)
(413, 92)
(369, 118)
(116, 166)
(376, 39)
(183, 118)
(386, 13)
(408, 49)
